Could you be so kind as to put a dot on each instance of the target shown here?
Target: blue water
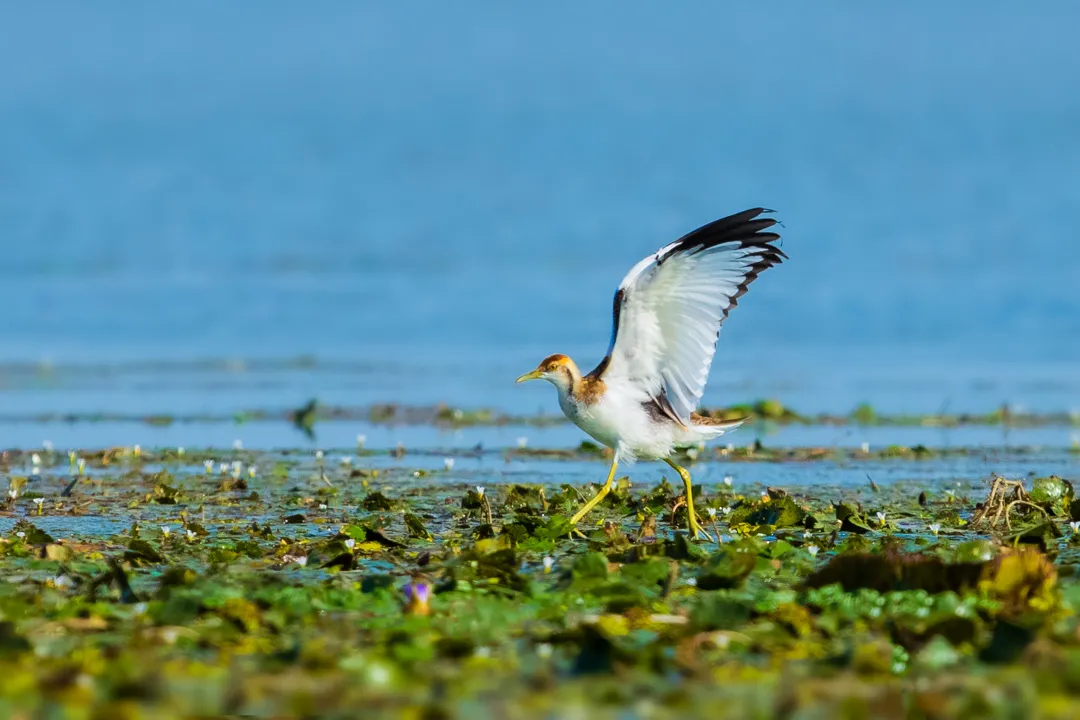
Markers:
(425, 199)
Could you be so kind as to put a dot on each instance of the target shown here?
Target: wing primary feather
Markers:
(717, 263)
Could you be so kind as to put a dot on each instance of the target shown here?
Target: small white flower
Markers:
(544, 650)
(47, 446)
(712, 512)
(223, 468)
(82, 465)
(691, 582)
(165, 530)
(35, 459)
(807, 533)
(480, 490)
(448, 463)
(865, 447)
(346, 460)
(191, 536)
(935, 528)
(319, 455)
(548, 563)
(728, 480)
(208, 465)
(20, 534)
(63, 581)
(252, 470)
(302, 561)
(136, 451)
(692, 453)
(726, 510)
(237, 466)
(139, 608)
(1075, 526)
(238, 444)
(13, 493)
(39, 502)
(522, 442)
(360, 441)
(813, 550)
(322, 506)
(180, 451)
(71, 456)
(881, 517)
(730, 447)
(350, 543)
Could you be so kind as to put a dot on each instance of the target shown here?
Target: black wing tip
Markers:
(747, 228)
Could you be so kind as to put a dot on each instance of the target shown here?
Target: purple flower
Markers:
(417, 597)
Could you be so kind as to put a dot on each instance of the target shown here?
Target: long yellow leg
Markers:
(695, 529)
(599, 496)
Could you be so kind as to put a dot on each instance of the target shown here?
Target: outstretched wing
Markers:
(670, 306)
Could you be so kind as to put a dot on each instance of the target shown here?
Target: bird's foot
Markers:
(696, 531)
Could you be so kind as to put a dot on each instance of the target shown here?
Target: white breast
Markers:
(619, 422)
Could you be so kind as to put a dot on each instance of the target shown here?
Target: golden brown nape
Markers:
(553, 362)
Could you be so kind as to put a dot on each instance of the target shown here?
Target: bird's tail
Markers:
(713, 427)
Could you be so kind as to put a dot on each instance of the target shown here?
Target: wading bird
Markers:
(640, 399)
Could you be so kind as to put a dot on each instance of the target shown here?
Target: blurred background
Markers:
(208, 209)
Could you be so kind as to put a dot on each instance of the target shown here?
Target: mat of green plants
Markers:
(892, 582)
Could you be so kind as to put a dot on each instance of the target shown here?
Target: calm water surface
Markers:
(423, 201)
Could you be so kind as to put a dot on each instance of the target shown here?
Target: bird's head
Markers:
(558, 370)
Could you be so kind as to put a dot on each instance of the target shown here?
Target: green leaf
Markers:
(593, 566)
(140, 551)
(726, 569)
(416, 528)
(34, 534)
(1049, 490)
(376, 501)
(850, 520)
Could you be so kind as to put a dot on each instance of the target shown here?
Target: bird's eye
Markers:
(552, 367)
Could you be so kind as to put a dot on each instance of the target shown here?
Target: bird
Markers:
(668, 310)
(303, 418)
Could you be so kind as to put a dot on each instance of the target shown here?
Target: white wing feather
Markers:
(671, 305)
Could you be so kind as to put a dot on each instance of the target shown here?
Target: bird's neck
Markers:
(570, 385)
(580, 391)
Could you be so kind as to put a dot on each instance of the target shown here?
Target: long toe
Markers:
(696, 531)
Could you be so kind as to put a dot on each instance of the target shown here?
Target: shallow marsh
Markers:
(448, 583)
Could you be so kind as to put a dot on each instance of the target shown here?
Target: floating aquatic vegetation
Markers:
(286, 593)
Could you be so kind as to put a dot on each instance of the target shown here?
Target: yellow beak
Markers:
(534, 375)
